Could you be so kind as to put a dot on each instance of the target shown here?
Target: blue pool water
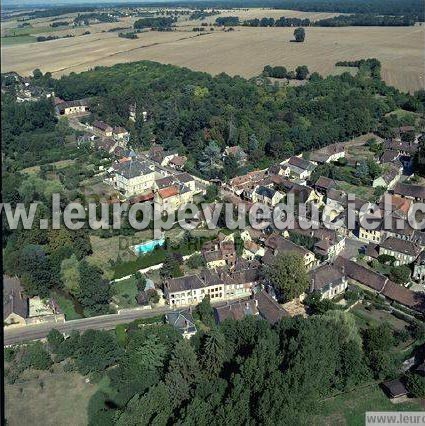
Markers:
(148, 246)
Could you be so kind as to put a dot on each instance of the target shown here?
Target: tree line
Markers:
(161, 22)
(336, 21)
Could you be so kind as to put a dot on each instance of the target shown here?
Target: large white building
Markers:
(134, 177)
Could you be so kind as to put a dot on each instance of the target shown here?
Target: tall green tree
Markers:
(299, 34)
(288, 275)
(301, 72)
(183, 372)
(94, 292)
(213, 352)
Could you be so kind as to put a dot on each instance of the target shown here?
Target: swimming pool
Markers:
(148, 246)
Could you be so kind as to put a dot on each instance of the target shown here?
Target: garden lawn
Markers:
(67, 307)
(376, 316)
(125, 292)
(365, 193)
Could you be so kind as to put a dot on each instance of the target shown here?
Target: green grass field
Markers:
(349, 408)
(10, 41)
(44, 398)
(13, 32)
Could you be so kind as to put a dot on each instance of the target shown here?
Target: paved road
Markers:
(104, 322)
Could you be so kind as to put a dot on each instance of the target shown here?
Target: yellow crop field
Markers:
(243, 51)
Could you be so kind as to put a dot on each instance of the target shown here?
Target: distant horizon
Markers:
(53, 3)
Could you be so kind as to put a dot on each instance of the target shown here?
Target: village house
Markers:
(183, 322)
(164, 182)
(328, 154)
(222, 285)
(239, 184)
(379, 284)
(328, 280)
(171, 198)
(103, 128)
(15, 303)
(370, 222)
(399, 206)
(413, 192)
(186, 179)
(405, 252)
(167, 157)
(108, 145)
(388, 156)
(236, 310)
(134, 177)
(403, 148)
(252, 250)
(120, 134)
(239, 282)
(191, 289)
(220, 251)
(329, 243)
(303, 194)
(330, 246)
(76, 107)
(275, 244)
(267, 196)
(279, 170)
(268, 308)
(419, 269)
(366, 278)
(394, 389)
(156, 153)
(336, 203)
(237, 152)
(299, 167)
(324, 184)
(371, 235)
(389, 178)
(177, 162)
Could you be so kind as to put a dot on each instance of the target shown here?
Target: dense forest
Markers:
(198, 114)
(238, 373)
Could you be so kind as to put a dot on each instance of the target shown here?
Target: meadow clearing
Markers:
(243, 51)
(40, 396)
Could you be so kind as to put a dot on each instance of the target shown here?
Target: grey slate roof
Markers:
(401, 246)
(325, 275)
(236, 310)
(265, 192)
(133, 168)
(13, 299)
(182, 321)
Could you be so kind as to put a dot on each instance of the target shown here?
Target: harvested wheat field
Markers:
(243, 52)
